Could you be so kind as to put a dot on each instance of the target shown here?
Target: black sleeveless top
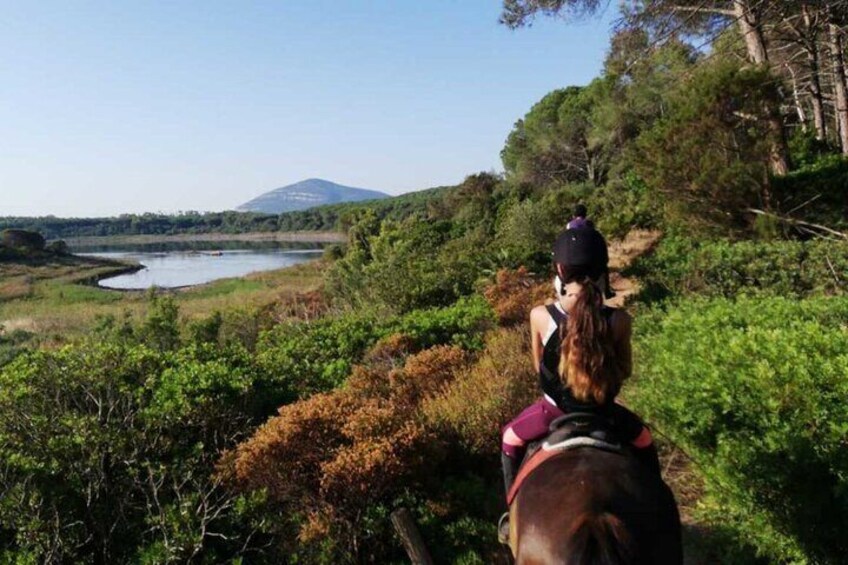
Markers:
(626, 422)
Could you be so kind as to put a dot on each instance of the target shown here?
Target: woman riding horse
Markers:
(582, 351)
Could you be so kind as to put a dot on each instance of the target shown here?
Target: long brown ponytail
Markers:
(589, 365)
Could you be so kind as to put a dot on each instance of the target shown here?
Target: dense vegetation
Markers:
(721, 268)
(135, 420)
(288, 433)
(755, 390)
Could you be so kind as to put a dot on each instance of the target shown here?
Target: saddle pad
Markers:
(581, 441)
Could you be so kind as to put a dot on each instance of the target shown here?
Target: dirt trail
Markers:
(621, 254)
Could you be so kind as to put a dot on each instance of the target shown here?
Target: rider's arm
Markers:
(538, 323)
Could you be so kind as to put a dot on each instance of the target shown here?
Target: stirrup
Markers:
(503, 529)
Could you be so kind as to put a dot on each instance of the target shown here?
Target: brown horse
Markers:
(589, 506)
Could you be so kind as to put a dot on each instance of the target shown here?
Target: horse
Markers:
(590, 506)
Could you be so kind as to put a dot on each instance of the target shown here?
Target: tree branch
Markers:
(721, 11)
(808, 226)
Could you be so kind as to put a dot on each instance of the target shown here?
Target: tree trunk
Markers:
(411, 538)
(752, 33)
(812, 49)
(796, 97)
(839, 86)
(817, 99)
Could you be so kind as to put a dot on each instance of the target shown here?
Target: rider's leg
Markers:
(512, 452)
(509, 466)
(530, 425)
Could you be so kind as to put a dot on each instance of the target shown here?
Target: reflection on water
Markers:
(174, 265)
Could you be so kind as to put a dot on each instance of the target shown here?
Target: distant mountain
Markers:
(307, 194)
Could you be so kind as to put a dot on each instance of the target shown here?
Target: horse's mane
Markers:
(599, 539)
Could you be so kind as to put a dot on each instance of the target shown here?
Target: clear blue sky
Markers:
(112, 107)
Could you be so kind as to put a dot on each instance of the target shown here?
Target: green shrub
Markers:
(681, 266)
(202, 384)
(409, 266)
(463, 324)
(412, 269)
(9, 253)
(817, 192)
(527, 230)
(806, 150)
(13, 344)
(316, 356)
(333, 252)
(206, 330)
(107, 449)
(58, 247)
(755, 391)
(465, 535)
(160, 329)
(308, 357)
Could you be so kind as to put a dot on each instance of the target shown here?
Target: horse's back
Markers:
(591, 506)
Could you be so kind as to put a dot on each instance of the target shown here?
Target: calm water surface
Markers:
(184, 264)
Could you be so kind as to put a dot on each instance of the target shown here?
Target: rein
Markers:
(697, 464)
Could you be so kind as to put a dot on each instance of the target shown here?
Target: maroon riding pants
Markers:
(530, 425)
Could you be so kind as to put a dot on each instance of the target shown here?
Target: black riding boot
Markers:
(510, 469)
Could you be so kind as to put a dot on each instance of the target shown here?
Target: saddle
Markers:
(571, 431)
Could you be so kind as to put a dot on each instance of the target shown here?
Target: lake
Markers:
(179, 264)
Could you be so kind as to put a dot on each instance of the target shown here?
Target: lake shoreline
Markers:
(187, 267)
(57, 300)
(121, 268)
(301, 236)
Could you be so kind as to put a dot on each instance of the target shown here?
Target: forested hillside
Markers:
(321, 218)
(290, 431)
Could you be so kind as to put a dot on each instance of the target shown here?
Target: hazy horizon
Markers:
(110, 109)
(193, 211)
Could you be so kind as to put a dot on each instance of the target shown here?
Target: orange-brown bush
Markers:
(368, 381)
(374, 467)
(332, 456)
(390, 349)
(425, 374)
(334, 464)
(514, 293)
(285, 455)
(487, 394)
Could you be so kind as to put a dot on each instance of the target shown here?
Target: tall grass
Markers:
(59, 304)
